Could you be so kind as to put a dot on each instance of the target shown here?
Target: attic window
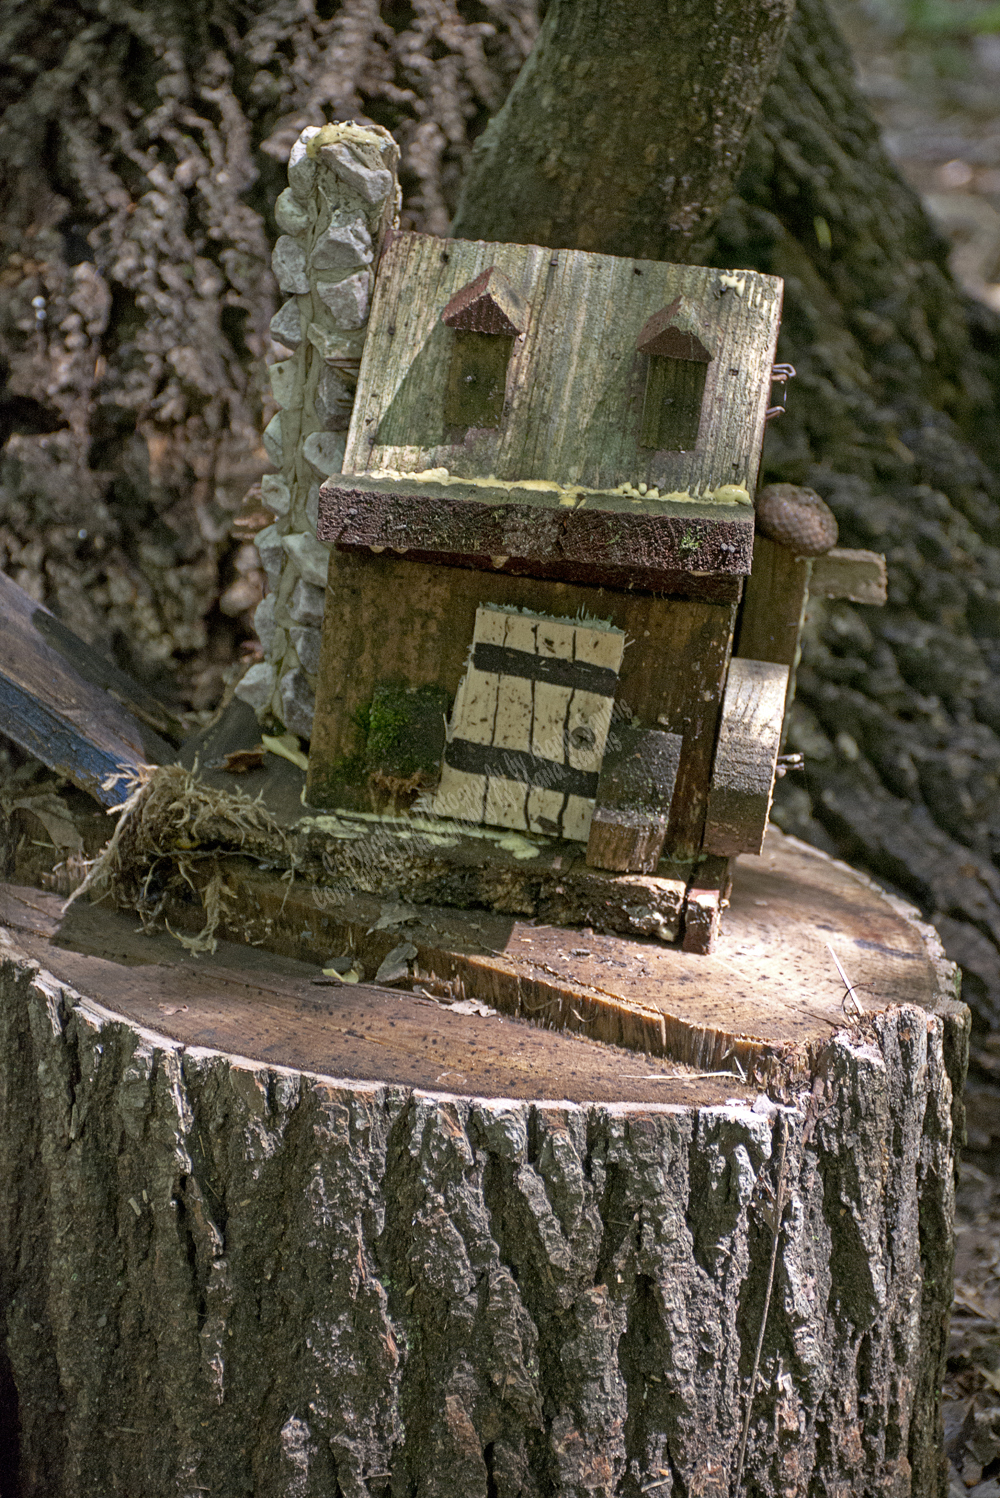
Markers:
(675, 341)
(487, 315)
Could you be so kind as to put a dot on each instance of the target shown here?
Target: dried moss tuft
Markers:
(174, 835)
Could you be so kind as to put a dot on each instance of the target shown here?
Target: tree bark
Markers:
(238, 1276)
(142, 148)
(626, 127)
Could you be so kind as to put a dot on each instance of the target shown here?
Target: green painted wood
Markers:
(477, 382)
(673, 402)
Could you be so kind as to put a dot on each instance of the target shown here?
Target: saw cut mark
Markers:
(530, 722)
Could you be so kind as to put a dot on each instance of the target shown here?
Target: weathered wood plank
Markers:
(774, 604)
(389, 619)
(576, 379)
(706, 899)
(844, 573)
(634, 793)
(426, 861)
(691, 548)
(51, 706)
(477, 380)
(746, 755)
(673, 404)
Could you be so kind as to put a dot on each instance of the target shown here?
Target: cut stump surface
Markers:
(767, 999)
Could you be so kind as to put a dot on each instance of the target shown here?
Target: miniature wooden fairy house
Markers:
(540, 539)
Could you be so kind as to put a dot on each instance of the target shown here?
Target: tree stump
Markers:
(261, 1237)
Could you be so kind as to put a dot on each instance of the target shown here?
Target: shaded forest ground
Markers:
(141, 150)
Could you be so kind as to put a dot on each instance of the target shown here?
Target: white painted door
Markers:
(530, 722)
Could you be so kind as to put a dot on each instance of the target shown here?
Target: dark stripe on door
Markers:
(525, 769)
(501, 660)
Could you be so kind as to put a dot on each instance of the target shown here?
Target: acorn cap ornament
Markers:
(797, 518)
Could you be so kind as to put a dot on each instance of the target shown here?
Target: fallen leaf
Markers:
(52, 813)
(287, 746)
(394, 915)
(470, 1006)
(239, 761)
(349, 977)
(396, 964)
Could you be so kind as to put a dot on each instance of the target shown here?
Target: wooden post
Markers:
(259, 1235)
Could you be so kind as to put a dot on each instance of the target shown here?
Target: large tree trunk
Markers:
(626, 127)
(236, 1276)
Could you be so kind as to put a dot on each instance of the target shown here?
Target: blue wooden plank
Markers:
(60, 746)
(49, 708)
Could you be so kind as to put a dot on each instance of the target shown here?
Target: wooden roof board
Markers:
(606, 539)
(49, 708)
(576, 379)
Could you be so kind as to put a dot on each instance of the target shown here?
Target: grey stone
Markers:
(263, 623)
(325, 451)
(372, 184)
(271, 553)
(347, 300)
(257, 687)
(339, 346)
(275, 493)
(343, 247)
(310, 556)
(332, 402)
(307, 643)
(286, 383)
(286, 324)
(312, 508)
(288, 262)
(298, 702)
(302, 168)
(273, 443)
(306, 604)
(292, 216)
